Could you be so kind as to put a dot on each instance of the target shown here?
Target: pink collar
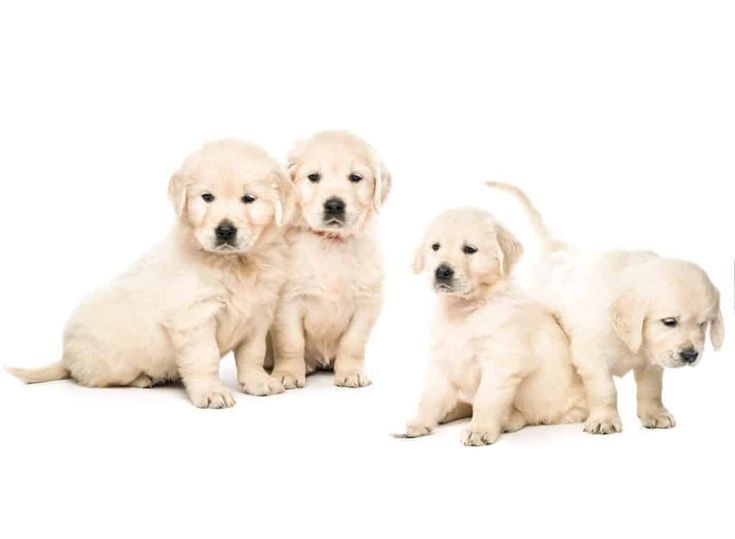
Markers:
(329, 236)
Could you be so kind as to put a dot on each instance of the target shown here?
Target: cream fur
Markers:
(333, 293)
(496, 355)
(612, 305)
(188, 302)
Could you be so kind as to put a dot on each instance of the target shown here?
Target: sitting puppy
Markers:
(625, 310)
(210, 287)
(333, 293)
(496, 355)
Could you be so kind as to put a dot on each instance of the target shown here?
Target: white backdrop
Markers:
(617, 118)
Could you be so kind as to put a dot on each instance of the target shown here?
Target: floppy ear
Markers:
(418, 259)
(294, 157)
(509, 249)
(177, 193)
(285, 200)
(627, 314)
(717, 329)
(383, 183)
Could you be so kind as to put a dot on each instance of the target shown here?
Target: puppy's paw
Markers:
(351, 379)
(259, 383)
(289, 380)
(603, 423)
(657, 419)
(414, 430)
(213, 396)
(476, 437)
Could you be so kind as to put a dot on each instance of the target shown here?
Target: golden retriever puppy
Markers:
(625, 310)
(209, 288)
(496, 354)
(333, 293)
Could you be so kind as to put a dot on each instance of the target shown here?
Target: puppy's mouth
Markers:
(334, 222)
(443, 288)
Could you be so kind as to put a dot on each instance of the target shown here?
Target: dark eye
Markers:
(435, 247)
(469, 250)
(670, 322)
(248, 199)
(314, 177)
(354, 178)
(207, 197)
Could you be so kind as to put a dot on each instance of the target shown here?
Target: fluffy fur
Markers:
(193, 298)
(333, 293)
(625, 310)
(496, 355)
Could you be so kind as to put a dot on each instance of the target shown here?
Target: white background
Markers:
(618, 119)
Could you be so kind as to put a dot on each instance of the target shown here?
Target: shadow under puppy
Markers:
(624, 310)
(209, 288)
(333, 294)
(496, 355)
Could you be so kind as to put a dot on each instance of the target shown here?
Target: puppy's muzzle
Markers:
(334, 212)
(444, 277)
(226, 234)
(688, 356)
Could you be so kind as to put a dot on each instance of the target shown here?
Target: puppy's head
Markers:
(466, 251)
(665, 311)
(227, 194)
(339, 183)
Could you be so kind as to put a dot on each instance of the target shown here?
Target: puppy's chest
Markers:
(240, 299)
(459, 351)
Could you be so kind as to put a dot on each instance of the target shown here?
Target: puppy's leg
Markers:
(438, 399)
(461, 410)
(250, 357)
(289, 367)
(492, 405)
(651, 410)
(197, 358)
(602, 398)
(348, 366)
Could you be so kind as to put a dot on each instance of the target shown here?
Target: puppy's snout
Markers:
(334, 207)
(225, 232)
(444, 273)
(688, 355)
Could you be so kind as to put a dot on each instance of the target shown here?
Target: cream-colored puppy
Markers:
(333, 294)
(496, 354)
(625, 310)
(210, 287)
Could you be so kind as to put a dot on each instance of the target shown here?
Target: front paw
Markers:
(290, 380)
(259, 383)
(414, 430)
(607, 422)
(478, 437)
(355, 378)
(211, 396)
(657, 419)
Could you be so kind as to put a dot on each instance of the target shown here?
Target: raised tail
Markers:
(549, 242)
(55, 371)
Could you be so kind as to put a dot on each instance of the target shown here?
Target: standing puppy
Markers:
(496, 355)
(209, 288)
(333, 293)
(625, 310)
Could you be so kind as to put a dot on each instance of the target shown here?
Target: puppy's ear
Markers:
(510, 249)
(627, 314)
(177, 192)
(383, 182)
(294, 159)
(717, 328)
(285, 200)
(419, 261)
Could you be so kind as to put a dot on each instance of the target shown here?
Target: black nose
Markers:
(689, 355)
(444, 272)
(225, 232)
(334, 206)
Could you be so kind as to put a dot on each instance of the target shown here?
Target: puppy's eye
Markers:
(435, 247)
(469, 250)
(703, 325)
(354, 178)
(670, 322)
(248, 199)
(314, 177)
(207, 197)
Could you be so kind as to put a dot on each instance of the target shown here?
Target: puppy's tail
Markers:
(550, 243)
(55, 371)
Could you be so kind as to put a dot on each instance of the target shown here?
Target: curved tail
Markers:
(549, 242)
(55, 371)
